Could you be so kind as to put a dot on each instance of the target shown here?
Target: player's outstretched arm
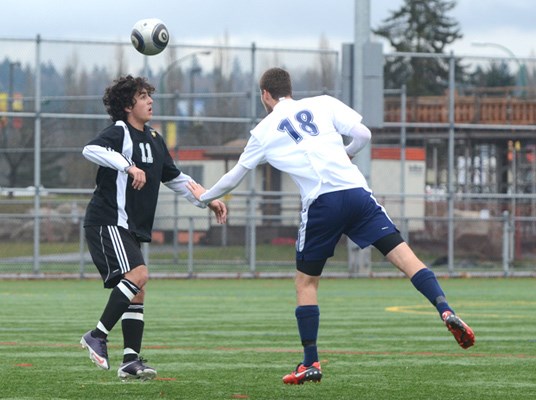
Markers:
(226, 183)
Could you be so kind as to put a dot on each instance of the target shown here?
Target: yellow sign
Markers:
(171, 135)
(3, 101)
(17, 104)
(3, 107)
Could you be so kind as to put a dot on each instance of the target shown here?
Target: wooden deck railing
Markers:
(467, 109)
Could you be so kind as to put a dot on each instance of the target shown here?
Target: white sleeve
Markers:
(106, 157)
(360, 135)
(226, 183)
(178, 184)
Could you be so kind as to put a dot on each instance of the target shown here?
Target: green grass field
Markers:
(234, 339)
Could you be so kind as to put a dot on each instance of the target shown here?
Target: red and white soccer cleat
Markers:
(303, 374)
(463, 334)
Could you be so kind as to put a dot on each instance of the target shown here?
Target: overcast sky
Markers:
(268, 23)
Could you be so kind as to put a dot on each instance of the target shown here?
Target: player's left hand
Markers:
(220, 210)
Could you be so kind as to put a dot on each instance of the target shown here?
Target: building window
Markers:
(195, 171)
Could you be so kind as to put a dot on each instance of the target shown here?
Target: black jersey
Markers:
(114, 201)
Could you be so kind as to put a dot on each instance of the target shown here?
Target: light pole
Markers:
(169, 68)
(196, 69)
(177, 62)
(498, 46)
(520, 67)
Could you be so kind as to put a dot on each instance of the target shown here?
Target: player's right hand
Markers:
(138, 177)
(196, 189)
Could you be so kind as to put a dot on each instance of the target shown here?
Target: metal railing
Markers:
(252, 244)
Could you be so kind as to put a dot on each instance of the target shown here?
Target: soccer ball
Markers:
(149, 36)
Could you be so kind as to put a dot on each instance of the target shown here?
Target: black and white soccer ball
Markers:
(149, 36)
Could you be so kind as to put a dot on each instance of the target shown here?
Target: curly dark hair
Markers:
(121, 94)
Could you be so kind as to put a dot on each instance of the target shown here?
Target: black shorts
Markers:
(114, 251)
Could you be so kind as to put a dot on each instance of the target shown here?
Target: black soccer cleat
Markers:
(98, 350)
(136, 370)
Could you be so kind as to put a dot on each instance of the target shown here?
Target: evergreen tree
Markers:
(496, 75)
(419, 26)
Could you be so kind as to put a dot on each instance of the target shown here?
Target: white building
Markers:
(278, 201)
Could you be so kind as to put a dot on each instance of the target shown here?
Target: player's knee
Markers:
(305, 282)
(140, 297)
(139, 276)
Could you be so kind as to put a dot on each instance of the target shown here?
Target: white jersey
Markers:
(303, 138)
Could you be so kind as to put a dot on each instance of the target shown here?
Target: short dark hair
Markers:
(276, 81)
(121, 94)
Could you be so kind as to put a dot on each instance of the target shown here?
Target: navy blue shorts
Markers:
(353, 212)
(114, 251)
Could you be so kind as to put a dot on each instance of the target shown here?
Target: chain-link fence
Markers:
(461, 190)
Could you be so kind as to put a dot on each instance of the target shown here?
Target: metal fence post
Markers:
(251, 237)
(176, 228)
(82, 248)
(403, 120)
(146, 252)
(506, 243)
(224, 235)
(37, 159)
(190, 246)
(251, 223)
(451, 189)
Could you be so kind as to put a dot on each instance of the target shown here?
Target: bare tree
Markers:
(226, 77)
(121, 62)
(327, 65)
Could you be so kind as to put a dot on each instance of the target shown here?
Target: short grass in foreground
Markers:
(230, 339)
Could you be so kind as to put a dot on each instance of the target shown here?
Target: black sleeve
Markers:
(169, 169)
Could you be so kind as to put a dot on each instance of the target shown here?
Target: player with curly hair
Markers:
(133, 160)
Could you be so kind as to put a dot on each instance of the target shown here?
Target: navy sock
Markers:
(308, 318)
(426, 282)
